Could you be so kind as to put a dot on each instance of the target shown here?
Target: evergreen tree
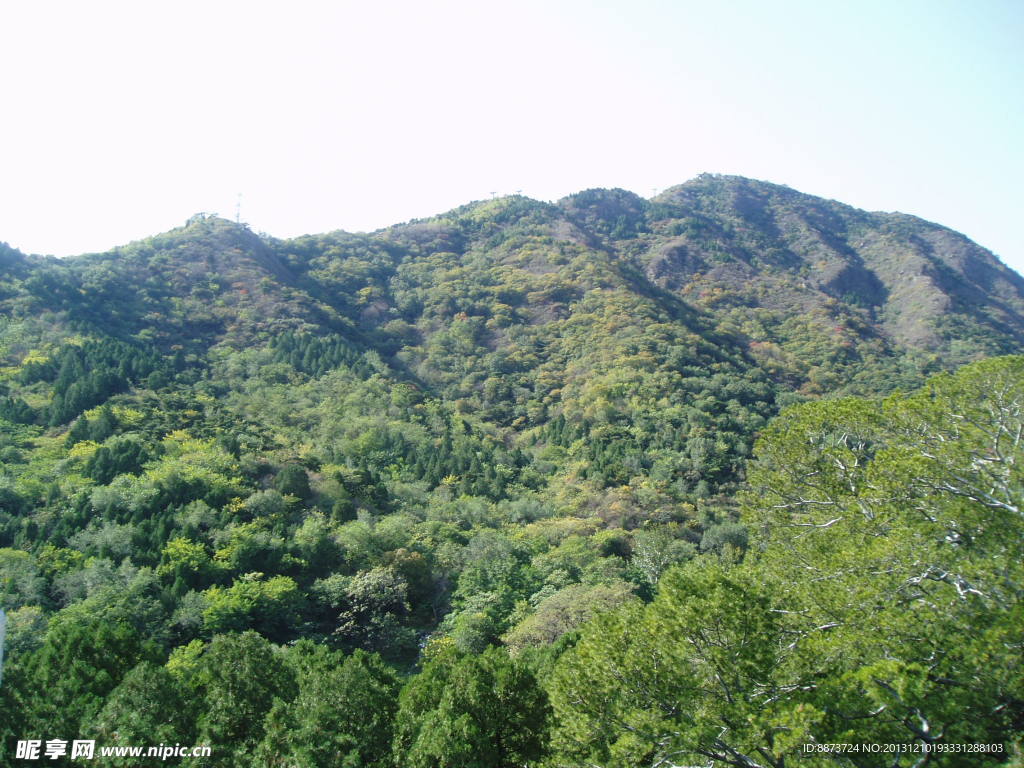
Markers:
(485, 711)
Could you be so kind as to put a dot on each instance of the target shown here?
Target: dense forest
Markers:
(728, 477)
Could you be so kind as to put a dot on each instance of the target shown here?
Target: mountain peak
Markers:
(754, 257)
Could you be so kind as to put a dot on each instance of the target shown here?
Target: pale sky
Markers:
(119, 120)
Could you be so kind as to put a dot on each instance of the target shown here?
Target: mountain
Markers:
(748, 257)
(922, 285)
(587, 317)
(480, 428)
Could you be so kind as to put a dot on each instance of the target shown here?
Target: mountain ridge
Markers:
(484, 428)
(748, 256)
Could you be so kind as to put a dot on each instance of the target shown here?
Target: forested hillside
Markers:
(510, 486)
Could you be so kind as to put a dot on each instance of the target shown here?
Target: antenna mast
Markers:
(238, 209)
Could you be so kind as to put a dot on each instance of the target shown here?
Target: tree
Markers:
(149, 706)
(880, 602)
(342, 717)
(271, 606)
(292, 480)
(373, 608)
(239, 677)
(20, 581)
(896, 534)
(655, 550)
(682, 681)
(79, 663)
(188, 561)
(481, 711)
(566, 610)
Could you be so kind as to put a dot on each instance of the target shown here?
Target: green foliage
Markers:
(658, 683)
(881, 603)
(87, 375)
(121, 456)
(78, 665)
(20, 581)
(343, 714)
(292, 481)
(372, 614)
(149, 706)
(188, 562)
(521, 424)
(484, 711)
(316, 355)
(239, 677)
(913, 503)
(566, 610)
(271, 606)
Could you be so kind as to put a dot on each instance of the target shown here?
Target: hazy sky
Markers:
(120, 120)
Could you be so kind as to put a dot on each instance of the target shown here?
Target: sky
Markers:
(119, 120)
